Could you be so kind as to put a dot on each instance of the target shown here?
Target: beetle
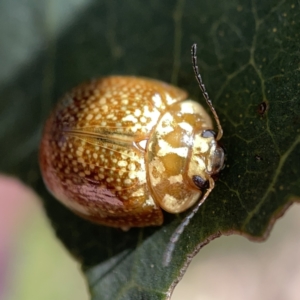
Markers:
(118, 150)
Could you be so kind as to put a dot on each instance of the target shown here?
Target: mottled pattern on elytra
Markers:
(93, 148)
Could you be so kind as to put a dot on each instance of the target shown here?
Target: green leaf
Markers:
(248, 52)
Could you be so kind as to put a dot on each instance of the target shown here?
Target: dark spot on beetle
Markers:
(262, 108)
(200, 182)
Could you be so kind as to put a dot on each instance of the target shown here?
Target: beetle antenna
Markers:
(204, 92)
(179, 230)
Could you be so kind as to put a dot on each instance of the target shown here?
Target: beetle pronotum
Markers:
(175, 236)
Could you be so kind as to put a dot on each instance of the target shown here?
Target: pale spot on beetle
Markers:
(132, 175)
(153, 118)
(201, 164)
(68, 181)
(170, 200)
(156, 169)
(136, 127)
(131, 167)
(133, 129)
(137, 112)
(186, 126)
(175, 179)
(169, 99)
(165, 149)
(150, 201)
(156, 98)
(187, 108)
(127, 181)
(143, 119)
(130, 118)
(138, 193)
(147, 112)
(96, 109)
(201, 143)
(80, 160)
(121, 172)
(122, 163)
(60, 144)
(102, 101)
(79, 153)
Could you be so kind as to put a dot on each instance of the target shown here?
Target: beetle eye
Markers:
(208, 134)
(200, 182)
(218, 160)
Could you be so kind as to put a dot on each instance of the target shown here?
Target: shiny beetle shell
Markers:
(118, 150)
